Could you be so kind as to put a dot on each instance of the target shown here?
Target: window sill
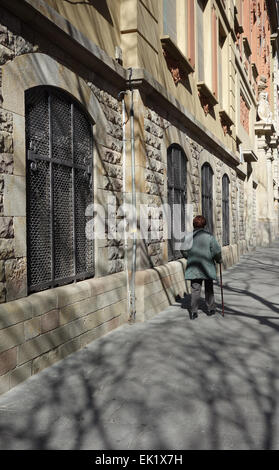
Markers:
(178, 64)
(207, 98)
(226, 121)
(254, 70)
(247, 47)
(249, 156)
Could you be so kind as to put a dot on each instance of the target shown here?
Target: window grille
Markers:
(177, 184)
(59, 188)
(207, 195)
(226, 209)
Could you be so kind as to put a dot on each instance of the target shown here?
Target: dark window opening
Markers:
(226, 209)
(177, 184)
(207, 195)
(59, 146)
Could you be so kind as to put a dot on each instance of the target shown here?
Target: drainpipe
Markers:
(130, 285)
(122, 94)
(134, 221)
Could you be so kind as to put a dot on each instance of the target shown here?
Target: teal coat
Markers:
(202, 255)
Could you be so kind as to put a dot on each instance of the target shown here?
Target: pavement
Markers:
(170, 383)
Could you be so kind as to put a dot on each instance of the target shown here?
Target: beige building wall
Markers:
(183, 71)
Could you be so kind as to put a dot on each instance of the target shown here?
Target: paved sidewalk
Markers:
(169, 383)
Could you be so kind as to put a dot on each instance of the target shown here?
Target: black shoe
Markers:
(193, 315)
(212, 312)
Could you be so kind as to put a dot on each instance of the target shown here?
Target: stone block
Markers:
(4, 36)
(111, 297)
(67, 295)
(2, 292)
(19, 165)
(32, 328)
(15, 196)
(4, 383)
(11, 336)
(2, 271)
(69, 347)
(16, 278)
(45, 360)
(15, 312)
(20, 374)
(6, 142)
(8, 360)
(22, 46)
(6, 227)
(6, 121)
(43, 302)
(35, 347)
(50, 321)
(7, 247)
(19, 224)
(5, 54)
(78, 309)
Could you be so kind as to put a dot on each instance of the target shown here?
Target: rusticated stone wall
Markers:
(18, 39)
(155, 185)
(12, 263)
(110, 147)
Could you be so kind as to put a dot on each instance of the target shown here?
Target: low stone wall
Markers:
(157, 288)
(39, 330)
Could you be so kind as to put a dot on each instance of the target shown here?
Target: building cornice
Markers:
(143, 81)
(48, 22)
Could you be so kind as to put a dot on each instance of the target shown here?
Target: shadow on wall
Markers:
(101, 7)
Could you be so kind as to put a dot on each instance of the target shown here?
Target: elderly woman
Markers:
(201, 267)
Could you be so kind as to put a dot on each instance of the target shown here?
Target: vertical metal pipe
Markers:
(123, 93)
(134, 223)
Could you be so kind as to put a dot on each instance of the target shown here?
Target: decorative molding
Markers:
(246, 46)
(249, 156)
(263, 128)
(255, 183)
(226, 122)
(254, 70)
(178, 65)
(207, 98)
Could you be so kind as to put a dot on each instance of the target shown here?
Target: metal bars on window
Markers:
(177, 184)
(226, 209)
(207, 195)
(59, 188)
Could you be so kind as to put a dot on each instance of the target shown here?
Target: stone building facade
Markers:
(148, 82)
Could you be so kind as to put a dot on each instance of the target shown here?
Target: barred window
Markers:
(207, 195)
(226, 209)
(177, 184)
(59, 188)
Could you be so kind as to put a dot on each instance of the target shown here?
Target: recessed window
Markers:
(226, 209)
(59, 188)
(177, 183)
(207, 195)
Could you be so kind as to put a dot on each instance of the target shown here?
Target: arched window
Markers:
(177, 183)
(207, 195)
(59, 145)
(226, 209)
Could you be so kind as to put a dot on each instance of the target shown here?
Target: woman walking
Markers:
(201, 258)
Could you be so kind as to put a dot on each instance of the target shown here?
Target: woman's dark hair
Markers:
(199, 221)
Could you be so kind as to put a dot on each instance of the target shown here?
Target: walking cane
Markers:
(221, 284)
